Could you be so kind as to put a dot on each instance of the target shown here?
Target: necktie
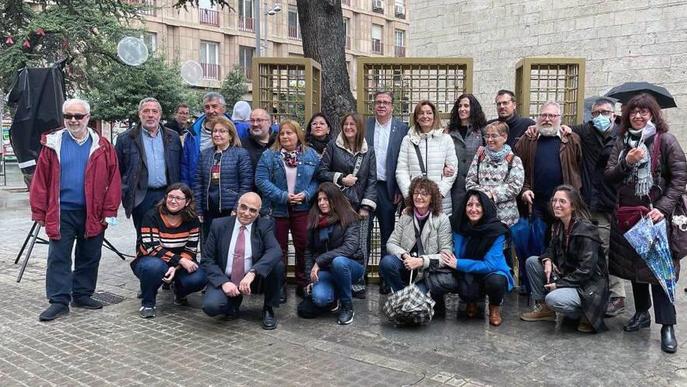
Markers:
(238, 263)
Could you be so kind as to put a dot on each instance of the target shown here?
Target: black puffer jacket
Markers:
(337, 161)
(582, 267)
(325, 244)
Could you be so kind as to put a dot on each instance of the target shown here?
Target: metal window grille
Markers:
(209, 17)
(440, 80)
(538, 80)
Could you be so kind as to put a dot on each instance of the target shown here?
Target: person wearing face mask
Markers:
(648, 167)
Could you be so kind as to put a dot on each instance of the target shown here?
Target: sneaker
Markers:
(616, 306)
(147, 312)
(585, 326)
(360, 294)
(345, 314)
(540, 312)
(54, 311)
(87, 303)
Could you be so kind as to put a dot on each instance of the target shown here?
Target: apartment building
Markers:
(221, 38)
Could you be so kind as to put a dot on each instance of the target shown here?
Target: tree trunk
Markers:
(324, 40)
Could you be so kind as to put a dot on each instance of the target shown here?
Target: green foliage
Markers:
(119, 88)
(234, 86)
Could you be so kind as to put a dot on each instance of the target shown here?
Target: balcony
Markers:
(210, 71)
(377, 47)
(348, 42)
(294, 33)
(400, 51)
(148, 7)
(246, 24)
(208, 17)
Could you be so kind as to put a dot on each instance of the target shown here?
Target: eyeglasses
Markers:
(173, 198)
(255, 120)
(641, 112)
(420, 193)
(491, 136)
(383, 103)
(606, 113)
(252, 210)
(548, 116)
(78, 117)
(220, 130)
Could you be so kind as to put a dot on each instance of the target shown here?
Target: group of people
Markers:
(237, 194)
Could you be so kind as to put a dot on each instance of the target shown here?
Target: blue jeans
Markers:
(335, 282)
(394, 273)
(61, 284)
(150, 271)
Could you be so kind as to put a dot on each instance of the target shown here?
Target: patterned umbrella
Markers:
(650, 241)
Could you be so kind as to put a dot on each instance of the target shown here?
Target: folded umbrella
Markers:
(627, 90)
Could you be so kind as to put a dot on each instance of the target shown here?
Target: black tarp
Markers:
(37, 95)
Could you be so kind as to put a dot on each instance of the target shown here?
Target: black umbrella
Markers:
(627, 90)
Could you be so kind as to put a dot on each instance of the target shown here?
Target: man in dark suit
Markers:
(240, 248)
(385, 134)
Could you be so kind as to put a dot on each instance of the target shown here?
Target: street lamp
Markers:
(269, 11)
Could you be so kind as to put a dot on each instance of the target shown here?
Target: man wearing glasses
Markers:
(550, 159)
(241, 249)
(260, 136)
(149, 159)
(76, 186)
(506, 110)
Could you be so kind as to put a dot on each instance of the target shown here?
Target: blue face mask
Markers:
(602, 123)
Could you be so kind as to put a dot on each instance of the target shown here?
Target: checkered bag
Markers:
(409, 306)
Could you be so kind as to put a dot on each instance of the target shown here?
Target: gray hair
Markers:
(73, 101)
(214, 95)
(604, 101)
(551, 103)
(149, 99)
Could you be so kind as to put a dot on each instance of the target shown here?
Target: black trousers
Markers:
(492, 284)
(663, 309)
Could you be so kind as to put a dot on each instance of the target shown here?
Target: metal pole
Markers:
(267, 22)
(256, 26)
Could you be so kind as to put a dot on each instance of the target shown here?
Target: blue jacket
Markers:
(270, 178)
(242, 128)
(493, 262)
(398, 130)
(189, 159)
(235, 178)
(133, 166)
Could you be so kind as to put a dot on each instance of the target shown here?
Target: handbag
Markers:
(409, 306)
(628, 216)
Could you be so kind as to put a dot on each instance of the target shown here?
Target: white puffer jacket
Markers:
(437, 150)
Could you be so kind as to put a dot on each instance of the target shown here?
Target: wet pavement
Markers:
(182, 346)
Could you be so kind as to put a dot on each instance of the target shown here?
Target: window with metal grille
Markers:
(294, 27)
(209, 59)
(400, 43)
(246, 21)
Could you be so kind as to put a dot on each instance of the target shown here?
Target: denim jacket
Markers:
(270, 178)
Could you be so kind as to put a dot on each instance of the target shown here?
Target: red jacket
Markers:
(102, 185)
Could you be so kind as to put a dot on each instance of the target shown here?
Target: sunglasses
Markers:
(79, 117)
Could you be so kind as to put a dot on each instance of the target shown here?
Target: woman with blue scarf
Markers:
(497, 172)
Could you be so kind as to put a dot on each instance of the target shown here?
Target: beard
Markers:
(548, 130)
(76, 130)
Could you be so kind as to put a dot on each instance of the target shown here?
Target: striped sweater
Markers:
(161, 239)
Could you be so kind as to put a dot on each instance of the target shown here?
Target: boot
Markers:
(638, 321)
(471, 310)
(668, 340)
(540, 312)
(495, 315)
(585, 326)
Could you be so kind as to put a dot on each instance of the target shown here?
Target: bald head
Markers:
(248, 208)
(260, 122)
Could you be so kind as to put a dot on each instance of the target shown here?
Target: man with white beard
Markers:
(76, 186)
(550, 159)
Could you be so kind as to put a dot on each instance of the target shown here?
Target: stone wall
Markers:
(622, 40)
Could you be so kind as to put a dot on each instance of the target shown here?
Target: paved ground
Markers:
(182, 346)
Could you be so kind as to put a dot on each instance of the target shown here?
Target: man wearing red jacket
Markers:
(75, 187)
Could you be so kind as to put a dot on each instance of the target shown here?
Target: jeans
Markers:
(394, 273)
(216, 302)
(61, 284)
(562, 300)
(153, 196)
(297, 222)
(335, 282)
(150, 271)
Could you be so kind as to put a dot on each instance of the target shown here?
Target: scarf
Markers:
(498, 156)
(318, 145)
(420, 217)
(481, 236)
(641, 171)
(291, 158)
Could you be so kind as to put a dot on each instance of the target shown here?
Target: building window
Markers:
(400, 9)
(294, 26)
(246, 21)
(400, 43)
(246, 60)
(209, 59)
(377, 33)
(378, 6)
(150, 40)
(347, 29)
(207, 14)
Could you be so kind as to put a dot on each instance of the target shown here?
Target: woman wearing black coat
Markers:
(333, 252)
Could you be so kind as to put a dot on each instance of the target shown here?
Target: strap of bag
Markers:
(656, 155)
(480, 157)
(358, 163)
(419, 159)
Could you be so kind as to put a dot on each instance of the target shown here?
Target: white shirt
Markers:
(381, 139)
(248, 261)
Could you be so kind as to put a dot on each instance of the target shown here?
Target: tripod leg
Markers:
(28, 236)
(34, 236)
(113, 249)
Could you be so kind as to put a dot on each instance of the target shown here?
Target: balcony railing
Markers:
(294, 33)
(400, 51)
(148, 7)
(210, 71)
(348, 42)
(377, 47)
(246, 24)
(209, 17)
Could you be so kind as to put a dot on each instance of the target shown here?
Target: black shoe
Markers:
(180, 301)
(166, 286)
(360, 294)
(269, 322)
(87, 303)
(383, 287)
(345, 314)
(668, 340)
(300, 291)
(282, 295)
(638, 321)
(440, 308)
(54, 311)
